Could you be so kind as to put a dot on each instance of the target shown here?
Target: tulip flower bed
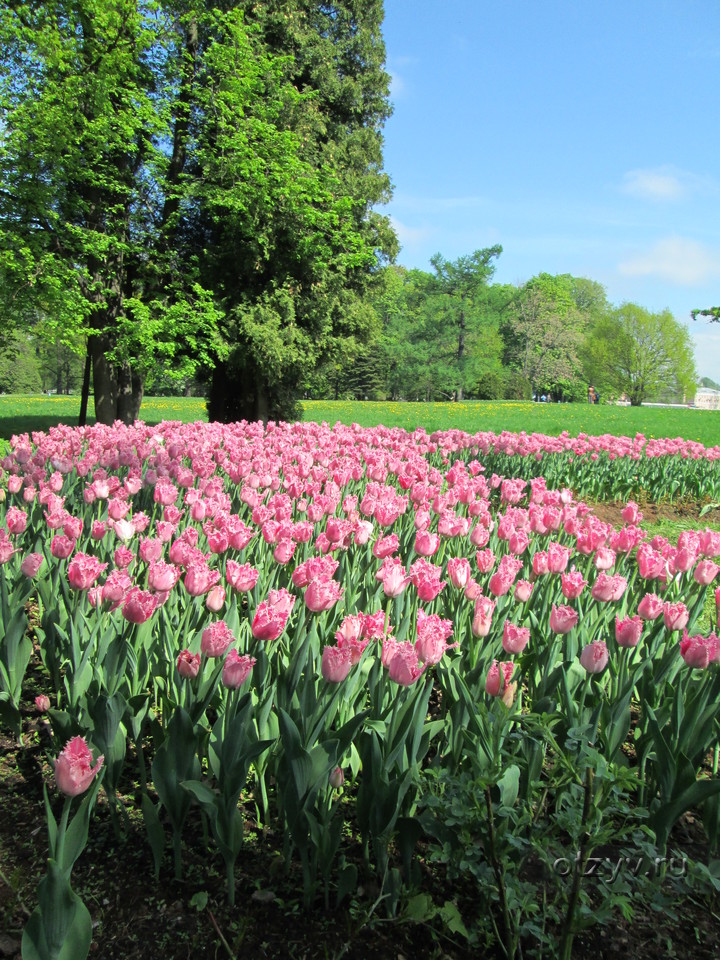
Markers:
(371, 643)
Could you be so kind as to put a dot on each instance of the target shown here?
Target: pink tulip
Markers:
(426, 543)
(485, 560)
(61, 547)
(216, 639)
(162, 576)
(705, 572)
(336, 664)
(699, 651)
(215, 599)
(188, 664)
(16, 520)
(267, 623)
(607, 588)
(482, 616)
(31, 564)
(241, 577)
(562, 619)
(122, 557)
(630, 513)
(676, 616)
(138, 605)
(337, 778)
(573, 584)
(236, 669)
(523, 590)
(479, 536)
(404, 667)
(373, 625)
(284, 551)
(432, 635)
(540, 563)
(604, 558)
(42, 703)
(558, 557)
(472, 590)
(650, 607)
(628, 631)
(281, 601)
(73, 770)
(459, 572)
(651, 564)
(709, 543)
(515, 638)
(320, 595)
(116, 587)
(594, 657)
(395, 580)
(98, 529)
(150, 550)
(83, 571)
(199, 578)
(499, 677)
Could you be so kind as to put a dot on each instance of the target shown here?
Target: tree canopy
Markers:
(183, 182)
(638, 353)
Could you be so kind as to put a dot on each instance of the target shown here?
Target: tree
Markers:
(90, 97)
(459, 296)
(300, 265)
(635, 352)
(545, 328)
(19, 368)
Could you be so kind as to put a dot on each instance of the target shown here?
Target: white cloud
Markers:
(397, 85)
(664, 183)
(409, 236)
(677, 260)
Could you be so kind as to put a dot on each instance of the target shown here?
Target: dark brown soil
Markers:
(137, 918)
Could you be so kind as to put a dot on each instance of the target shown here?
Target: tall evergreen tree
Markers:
(294, 293)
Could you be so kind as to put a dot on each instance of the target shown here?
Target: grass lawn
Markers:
(21, 414)
(548, 418)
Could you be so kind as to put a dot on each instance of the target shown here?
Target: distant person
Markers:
(592, 397)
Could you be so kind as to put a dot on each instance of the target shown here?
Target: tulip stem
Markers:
(60, 843)
(580, 864)
(509, 947)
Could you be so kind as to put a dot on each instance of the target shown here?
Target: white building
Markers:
(707, 399)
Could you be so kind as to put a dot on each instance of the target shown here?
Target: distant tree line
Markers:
(453, 334)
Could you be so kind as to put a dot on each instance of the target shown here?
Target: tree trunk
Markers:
(131, 387)
(118, 390)
(461, 352)
(105, 381)
(85, 391)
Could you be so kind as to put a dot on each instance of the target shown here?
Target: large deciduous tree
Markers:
(641, 354)
(544, 331)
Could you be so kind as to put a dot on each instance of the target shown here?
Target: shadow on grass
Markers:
(29, 424)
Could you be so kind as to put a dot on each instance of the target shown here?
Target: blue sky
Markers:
(582, 136)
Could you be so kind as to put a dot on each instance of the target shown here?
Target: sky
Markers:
(581, 136)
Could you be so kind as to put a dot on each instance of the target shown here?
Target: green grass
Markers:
(548, 418)
(23, 414)
(20, 414)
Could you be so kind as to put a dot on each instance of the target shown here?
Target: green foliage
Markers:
(19, 366)
(640, 354)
